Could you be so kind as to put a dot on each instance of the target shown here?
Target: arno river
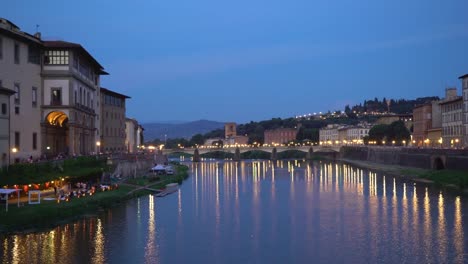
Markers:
(264, 212)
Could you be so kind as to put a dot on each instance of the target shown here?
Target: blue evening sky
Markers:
(256, 59)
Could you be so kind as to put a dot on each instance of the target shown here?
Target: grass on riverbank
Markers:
(50, 213)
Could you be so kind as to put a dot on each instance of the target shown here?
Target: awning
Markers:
(7, 192)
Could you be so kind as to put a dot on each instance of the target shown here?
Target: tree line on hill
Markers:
(400, 106)
(309, 127)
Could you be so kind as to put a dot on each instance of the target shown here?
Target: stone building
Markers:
(113, 134)
(133, 135)
(280, 135)
(231, 137)
(422, 123)
(20, 71)
(5, 151)
(329, 134)
(55, 107)
(464, 80)
(452, 125)
(70, 107)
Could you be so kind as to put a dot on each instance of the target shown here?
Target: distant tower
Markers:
(230, 130)
(388, 105)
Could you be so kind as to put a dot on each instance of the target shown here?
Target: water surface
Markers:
(265, 212)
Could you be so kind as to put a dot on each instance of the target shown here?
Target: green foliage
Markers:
(396, 131)
(82, 168)
(377, 133)
(197, 139)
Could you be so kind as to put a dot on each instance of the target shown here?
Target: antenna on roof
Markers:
(37, 34)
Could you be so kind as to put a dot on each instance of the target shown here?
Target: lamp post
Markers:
(13, 150)
(98, 145)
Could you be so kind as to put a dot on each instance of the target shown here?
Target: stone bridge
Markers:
(196, 152)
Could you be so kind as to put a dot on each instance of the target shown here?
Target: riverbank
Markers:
(453, 179)
(48, 214)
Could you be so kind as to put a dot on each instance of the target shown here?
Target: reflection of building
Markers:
(133, 135)
(280, 135)
(113, 121)
(5, 125)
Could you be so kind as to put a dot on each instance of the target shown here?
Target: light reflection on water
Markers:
(268, 212)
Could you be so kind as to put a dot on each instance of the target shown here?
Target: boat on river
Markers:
(170, 188)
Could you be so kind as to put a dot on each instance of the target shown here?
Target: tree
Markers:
(197, 139)
(398, 132)
(377, 133)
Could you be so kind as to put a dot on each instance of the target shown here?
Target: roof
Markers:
(422, 105)
(463, 76)
(105, 90)
(70, 45)
(6, 91)
(12, 30)
(459, 98)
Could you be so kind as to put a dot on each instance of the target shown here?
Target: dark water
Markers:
(260, 212)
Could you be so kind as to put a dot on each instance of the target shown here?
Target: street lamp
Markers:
(98, 144)
(14, 150)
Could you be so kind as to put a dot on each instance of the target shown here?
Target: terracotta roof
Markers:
(463, 76)
(105, 90)
(459, 98)
(70, 45)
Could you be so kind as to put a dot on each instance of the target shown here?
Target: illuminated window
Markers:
(56, 94)
(56, 57)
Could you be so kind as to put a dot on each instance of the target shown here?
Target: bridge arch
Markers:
(438, 162)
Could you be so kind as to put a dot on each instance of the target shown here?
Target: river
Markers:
(265, 212)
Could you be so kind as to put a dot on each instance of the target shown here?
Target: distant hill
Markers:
(182, 130)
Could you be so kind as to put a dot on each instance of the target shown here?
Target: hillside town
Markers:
(53, 104)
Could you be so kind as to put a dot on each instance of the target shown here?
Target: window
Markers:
(17, 93)
(17, 110)
(34, 141)
(34, 55)
(34, 96)
(1, 48)
(4, 109)
(17, 53)
(17, 140)
(56, 57)
(76, 97)
(56, 94)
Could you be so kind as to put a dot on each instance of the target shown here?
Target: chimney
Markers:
(450, 93)
(37, 35)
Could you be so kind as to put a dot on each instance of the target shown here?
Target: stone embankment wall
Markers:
(132, 169)
(411, 157)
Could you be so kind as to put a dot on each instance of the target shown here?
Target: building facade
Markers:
(452, 125)
(55, 107)
(70, 107)
(113, 133)
(131, 135)
(464, 80)
(280, 135)
(5, 152)
(329, 134)
(20, 71)
(422, 122)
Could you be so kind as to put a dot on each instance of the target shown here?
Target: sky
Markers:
(250, 60)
